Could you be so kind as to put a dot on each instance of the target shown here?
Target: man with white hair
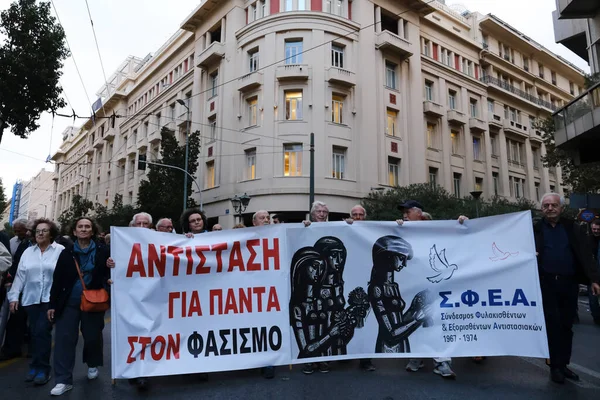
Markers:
(20, 230)
(564, 260)
(164, 225)
(142, 220)
(261, 217)
(319, 212)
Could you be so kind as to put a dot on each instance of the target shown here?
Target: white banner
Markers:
(282, 294)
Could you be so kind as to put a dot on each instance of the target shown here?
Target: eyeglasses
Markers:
(42, 231)
(548, 205)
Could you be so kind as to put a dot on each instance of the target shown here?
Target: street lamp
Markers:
(187, 132)
(476, 195)
(240, 203)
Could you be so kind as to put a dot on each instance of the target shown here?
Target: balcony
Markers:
(457, 117)
(477, 125)
(578, 126)
(341, 76)
(495, 120)
(515, 127)
(98, 144)
(250, 81)
(393, 44)
(571, 34)
(153, 133)
(109, 134)
(577, 9)
(490, 80)
(212, 55)
(89, 149)
(431, 108)
(292, 72)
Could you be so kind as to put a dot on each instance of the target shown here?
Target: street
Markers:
(497, 378)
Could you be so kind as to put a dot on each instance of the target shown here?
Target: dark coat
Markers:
(65, 276)
(581, 247)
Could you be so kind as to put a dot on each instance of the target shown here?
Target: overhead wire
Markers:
(99, 55)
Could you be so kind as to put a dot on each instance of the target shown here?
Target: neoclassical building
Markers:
(395, 92)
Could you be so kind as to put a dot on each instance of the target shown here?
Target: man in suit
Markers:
(564, 260)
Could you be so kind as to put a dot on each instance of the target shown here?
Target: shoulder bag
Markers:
(92, 300)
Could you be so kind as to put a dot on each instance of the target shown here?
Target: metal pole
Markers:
(477, 208)
(311, 196)
(185, 177)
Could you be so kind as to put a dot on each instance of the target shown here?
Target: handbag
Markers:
(92, 300)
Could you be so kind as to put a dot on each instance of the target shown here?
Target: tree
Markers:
(383, 206)
(162, 194)
(584, 178)
(79, 207)
(31, 59)
(118, 215)
(3, 202)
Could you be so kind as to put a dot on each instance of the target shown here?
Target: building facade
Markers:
(577, 27)
(36, 197)
(395, 92)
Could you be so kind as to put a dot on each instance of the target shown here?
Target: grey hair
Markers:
(20, 221)
(161, 220)
(561, 198)
(142, 214)
(316, 204)
(259, 211)
(131, 223)
(358, 205)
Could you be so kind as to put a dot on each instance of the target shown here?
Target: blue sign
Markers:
(587, 215)
(227, 211)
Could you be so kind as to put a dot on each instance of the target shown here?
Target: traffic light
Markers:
(142, 162)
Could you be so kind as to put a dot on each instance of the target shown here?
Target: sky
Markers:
(124, 27)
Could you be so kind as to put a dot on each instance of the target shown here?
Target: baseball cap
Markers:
(410, 204)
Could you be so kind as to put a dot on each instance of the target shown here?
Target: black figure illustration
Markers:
(321, 323)
(390, 255)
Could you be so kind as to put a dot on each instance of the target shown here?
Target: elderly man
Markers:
(216, 228)
(261, 217)
(164, 225)
(20, 230)
(319, 212)
(564, 260)
(142, 220)
(413, 211)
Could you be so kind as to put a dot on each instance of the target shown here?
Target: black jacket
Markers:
(65, 276)
(580, 244)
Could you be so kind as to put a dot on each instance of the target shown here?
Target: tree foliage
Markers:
(118, 215)
(79, 207)
(584, 178)
(162, 194)
(3, 202)
(383, 206)
(31, 59)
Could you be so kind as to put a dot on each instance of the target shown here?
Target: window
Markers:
(301, 5)
(250, 164)
(477, 149)
(452, 99)
(470, 68)
(537, 191)
(433, 173)
(337, 56)
(496, 180)
(456, 184)
(252, 111)
(479, 184)
(571, 88)
(390, 75)
(334, 7)
(253, 60)
(213, 128)
(541, 70)
(552, 189)
(526, 63)
(455, 141)
(392, 118)
(431, 136)
(473, 108)
(429, 90)
(337, 107)
(491, 106)
(292, 160)
(289, 5)
(518, 185)
(494, 145)
(214, 83)
(426, 45)
(535, 154)
(553, 77)
(210, 174)
(516, 154)
(293, 52)
(293, 106)
(446, 57)
(531, 122)
(338, 163)
(393, 171)
(172, 112)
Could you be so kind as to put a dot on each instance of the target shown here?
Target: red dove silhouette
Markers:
(501, 255)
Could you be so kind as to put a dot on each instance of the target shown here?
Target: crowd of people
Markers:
(45, 274)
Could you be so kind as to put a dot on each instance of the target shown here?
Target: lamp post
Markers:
(187, 132)
(476, 195)
(240, 203)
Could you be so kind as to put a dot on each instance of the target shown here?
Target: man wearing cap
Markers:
(413, 211)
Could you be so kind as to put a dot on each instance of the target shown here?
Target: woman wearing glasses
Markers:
(193, 221)
(34, 279)
(88, 255)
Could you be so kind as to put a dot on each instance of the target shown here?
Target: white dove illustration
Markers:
(445, 271)
(501, 255)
